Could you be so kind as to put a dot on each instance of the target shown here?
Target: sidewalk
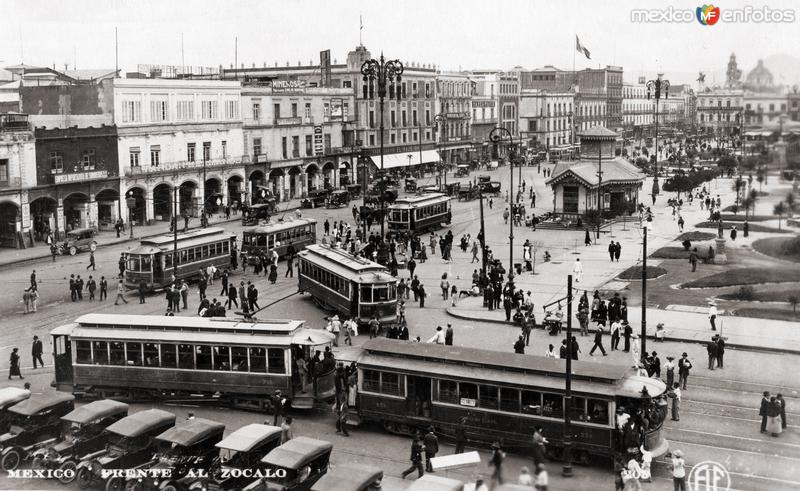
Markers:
(105, 238)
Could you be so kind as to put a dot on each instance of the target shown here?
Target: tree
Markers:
(679, 184)
(727, 163)
(790, 203)
(794, 300)
(780, 209)
(760, 178)
(753, 197)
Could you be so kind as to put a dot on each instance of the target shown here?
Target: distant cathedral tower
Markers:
(734, 75)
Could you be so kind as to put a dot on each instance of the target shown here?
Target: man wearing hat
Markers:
(711, 348)
(416, 458)
(627, 332)
(678, 467)
(720, 349)
(278, 403)
(448, 335)
(336, 327)
(684, 365)
(712, 314)
(431, 443)
(669, 366)
(763, 411)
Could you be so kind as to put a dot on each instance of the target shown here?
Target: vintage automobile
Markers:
(462, 170)
(253, 214)
(82, 435)
(240, 455)
(411, 185)
(468, 193)
(131, 445)
(492, 187)
(338, 198)
(33, 423)
(452, 189)
(315, 198)
(350, 477)
(354, 190)
(8, 397)
(430, 482)
(78, 240)
(301, 461)
(188, 446)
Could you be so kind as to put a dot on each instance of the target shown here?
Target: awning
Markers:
(399, 160)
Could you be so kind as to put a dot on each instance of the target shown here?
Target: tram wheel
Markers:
(583, 457)
(391, 427)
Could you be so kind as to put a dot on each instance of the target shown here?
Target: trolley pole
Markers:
(566, 469)
(643, 351)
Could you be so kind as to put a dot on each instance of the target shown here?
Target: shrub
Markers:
(745, 293)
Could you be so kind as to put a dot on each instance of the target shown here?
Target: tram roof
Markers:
(278, 226)
(409, 201)
(161, 323)
(341, 262)
(478, 359)
(199, 233)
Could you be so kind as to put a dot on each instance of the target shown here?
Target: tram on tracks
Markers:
(407, 387)
(230, 361)
(152, 261)
(278, 236)
(416, 214)
(349, 285)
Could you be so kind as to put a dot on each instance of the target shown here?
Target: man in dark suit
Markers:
(684, 365)
(711, 348)
(431, 443)
(720, 350)
(627, 331)
(763, 411)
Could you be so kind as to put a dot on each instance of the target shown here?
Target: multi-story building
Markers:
(17, 177)
(454, 92)
(293, 137)
(614, 97)
(485, 112)
(179, 138)
(545, 120)
(793, 105)
(637, 109)
(762, 108)
(508, 101)
(717, 111)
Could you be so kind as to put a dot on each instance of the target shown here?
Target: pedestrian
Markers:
(289, 263)
(121, 294)
(184, 292)
(774, 426)
(13, 369)
(745, 232)
(598, 342)
(431, 443)
(587, 240)
(335, 329)
(616, 328)
(342, 415)
(438, 336)
(103, 288)
(36, 351)
(278, 404)
(53, 251)
(669, 367)
(733, 232)
(412, 265)
(720, 349)
(519, 345)
(712, 314)
(416, 458)
(142, 291)
(448, 335)
(541, 478)
(461, 435)
(34, 283)
(91, 285)
(474, 253)
(764, 410)
(678, 467)
(525, 478)
(550, 353)
(79, 287)
(33, 298)
(684, 366)
(224, 280)
(121, 265)
(627, 333)
(496, 461)
(232, 295)
(617, 250)
(693, 259)
(782, 402)
(91, 261)
(422, 296)
(611, 249)
(577, 270)
(680, 223)
(539, 442)
(286, 430)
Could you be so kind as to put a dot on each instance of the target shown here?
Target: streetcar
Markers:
(230, 361)
(152, 261)
(416, 214)
(411, 386)
(264, 239)
(349, 285)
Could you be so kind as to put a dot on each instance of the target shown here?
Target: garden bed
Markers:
(729, 217)
(695, 236)
(753, 227)
(635, 273)
(745, 276)
(786, 248)
(749, 294)
(766, 313)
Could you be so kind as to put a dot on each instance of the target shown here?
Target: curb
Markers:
(728, 345)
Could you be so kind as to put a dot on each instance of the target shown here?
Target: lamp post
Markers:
(131, 201)
(175, 231)
(566, 469)
(440, 118)
(203, 219)
(386, 74)
(496, 136)
(656, 88)
(643, 352)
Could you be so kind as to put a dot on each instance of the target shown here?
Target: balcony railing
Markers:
(181, 166)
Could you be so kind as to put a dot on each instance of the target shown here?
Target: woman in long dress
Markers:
(774, 426)
(14, 367)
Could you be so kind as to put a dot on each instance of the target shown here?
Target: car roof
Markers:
(13, 395)
(249, 437)
(39, 402)
(191, 432)
(436, 483)
(77, 231)
(297, 452)
(142, 422)
(349, 477)
(96, 410)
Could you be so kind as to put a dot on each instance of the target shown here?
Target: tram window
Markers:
(392, 291)
(488, 397)
(380, 293)
(133, 354)
(448, 391)
(509, 400)
(83, 352)
(553, 405)
(578, 410)
(275, 360)
(262, 240)
(186, 356)
(100, 353)
(222, 358)
(151, 355)
(271, 241)
(372, 381)
(258, 360)
(598, 411)
(169, 356)
(117, 353)
(467, 394)
(226, 247)
(134, 263)
(147, 263)
(532, 402)
(366, 293)
(203, 253)
(390, 384)
(239, 359)
(202, 354)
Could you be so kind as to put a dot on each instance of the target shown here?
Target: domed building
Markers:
(759, 79)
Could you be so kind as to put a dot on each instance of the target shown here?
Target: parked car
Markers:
(79, 239)
(131, 443)
(82, 435)
(350, 477)
(338, 198)
(492, 187)
(8, 397)
(301, 461)
(33, 423)
(462, 170)
(315, 198)
(253, 214)
(354, 190)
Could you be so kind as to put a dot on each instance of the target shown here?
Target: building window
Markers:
(308, 110)
(347, 84)
(414, 136)
(131, 111)
(284, 151)
(372, 119)
(345, 110)
(414, 117)
(256, 110)
(427, 90)
(295, 146)
(4, 172)
(56, 162)
(206, 151)
(224, 149)
(277, 110)
(294, 109)
(405, 138)
(326, 110)
(427, 135)
(208, 109)
(427, 117)
(392, 118)
(134, 153)
(256, 146)
(158, 111)
(88, 158)
(392, 139)
(190, 152)
(185, 110)
(327, 142)
(371, 140)
(155, 155)
(309, 146)
(403, 118)
(231, 110)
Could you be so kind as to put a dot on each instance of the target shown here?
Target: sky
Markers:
(452, 34)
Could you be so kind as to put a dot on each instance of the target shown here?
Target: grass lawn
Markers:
(671, 252)
(767, 313)
(635, 273)
(787, 248)
(730, 217)
(763, 294)
(754, 227)
(695, 236)
(745, 276)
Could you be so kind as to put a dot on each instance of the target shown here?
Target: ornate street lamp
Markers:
(497, 135)
(440, 119)
(656, 88)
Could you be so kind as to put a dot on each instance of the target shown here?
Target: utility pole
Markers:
(566, 469)
(175, 232)
(599, 186)
(483, 235)
(643, 352)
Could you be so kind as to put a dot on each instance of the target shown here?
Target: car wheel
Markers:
(133, 485)
(68, 473)
(93, 246)
(38, 462)
(73, 250)
(85, 478)
(170, 486)
(115, 484)
(11, 460)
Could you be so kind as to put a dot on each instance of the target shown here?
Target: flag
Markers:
(582, 49)
(360, 23)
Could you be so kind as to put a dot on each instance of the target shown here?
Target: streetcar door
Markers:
(418, 396)
(62, 357)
